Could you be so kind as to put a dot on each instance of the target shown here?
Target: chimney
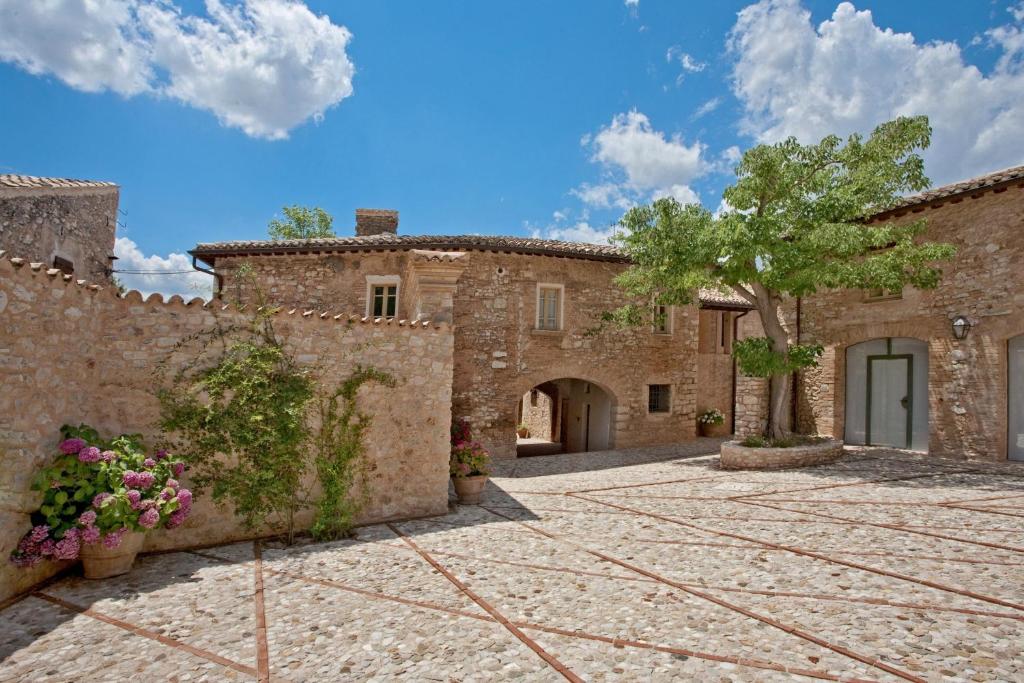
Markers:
(376, 222)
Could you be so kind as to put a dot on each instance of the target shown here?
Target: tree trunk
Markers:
(779, 417)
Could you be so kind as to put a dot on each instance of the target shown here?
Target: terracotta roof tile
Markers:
(28, 182)
(982, 182)
(522, 245)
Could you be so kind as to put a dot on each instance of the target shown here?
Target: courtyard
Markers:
(622, 565)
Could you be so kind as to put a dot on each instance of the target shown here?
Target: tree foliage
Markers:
(794, 223)
(301, 223)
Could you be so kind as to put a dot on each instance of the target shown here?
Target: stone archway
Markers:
(565, 415)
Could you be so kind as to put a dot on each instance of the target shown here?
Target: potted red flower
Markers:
(99, 499)
(468, 464)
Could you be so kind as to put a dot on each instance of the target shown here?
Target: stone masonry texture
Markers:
(499, 355)
(76, 224)
(74, 353)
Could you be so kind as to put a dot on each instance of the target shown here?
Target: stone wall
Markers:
(751, 392)
(76, 224)
(967, 382)
(538, 416)
(80, 354)
(499, 356)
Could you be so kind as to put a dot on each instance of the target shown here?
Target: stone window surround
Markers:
(561, 307)
(658, 415)
(870, 297)
(670, 314)
(378, 281)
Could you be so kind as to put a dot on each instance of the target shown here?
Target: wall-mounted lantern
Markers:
(961, 326)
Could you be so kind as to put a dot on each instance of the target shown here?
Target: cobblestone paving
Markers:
(650, 565)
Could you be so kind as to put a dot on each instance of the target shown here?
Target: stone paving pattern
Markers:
(649, 565)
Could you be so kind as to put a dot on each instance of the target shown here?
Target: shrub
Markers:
(711, 416)
(468, 458)
(97, 491)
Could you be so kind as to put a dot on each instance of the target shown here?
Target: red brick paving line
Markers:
(754, 519)
(729, 589)
(145, 633)
(490, 609)
(792, 630)
(826, 558)
(981, 500)
(617, 642)
(866, 482)
(910, 529)
(989, 511)
(262, 653)
(655, 483)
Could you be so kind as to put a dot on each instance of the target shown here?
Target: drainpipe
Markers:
(218, 278)
(794, 402)
(735, 334)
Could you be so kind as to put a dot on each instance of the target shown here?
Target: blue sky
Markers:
(545, 118)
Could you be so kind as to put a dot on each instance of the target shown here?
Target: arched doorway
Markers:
(566, 415)
(1015, 398)
(887, 393)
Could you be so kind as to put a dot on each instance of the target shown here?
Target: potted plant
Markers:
(711, 422)
(99, 499)
(523, 431)
(468, 464)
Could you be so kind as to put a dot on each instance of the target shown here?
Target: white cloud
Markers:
(581, 232)
(264, 66)
(171, 274)
(847, 74)
(686, 62)
(648, 158)
(706, 108)
(632, 3)
(639, 163)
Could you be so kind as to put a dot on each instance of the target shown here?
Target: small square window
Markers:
(659, 398)
(385, 301)
(63, 265)
(880, 294)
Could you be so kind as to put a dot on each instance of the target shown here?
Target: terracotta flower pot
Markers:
(470, 488)
(101, 562)
(523, 432)
(714, 430)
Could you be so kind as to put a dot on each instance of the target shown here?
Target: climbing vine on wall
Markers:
(253, 424)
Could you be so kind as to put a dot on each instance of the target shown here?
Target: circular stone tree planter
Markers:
(736, 456)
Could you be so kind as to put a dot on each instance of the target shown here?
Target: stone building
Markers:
(940, 371)
(62, 223)
(526, 316)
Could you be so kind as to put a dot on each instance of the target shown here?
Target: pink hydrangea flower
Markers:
(146, 479)
(149, 463)
(89, 454)
(87, 518)
(176, 518)
(130, 478)
(113, 539)
(39, 533)
(160, 454)
(178, 468)
(99, 498)
(184, 499)
(47, 547)
(167, 493)
(149, 518)
(71, 446)
(108, 456)
(68, 547)
(90, 535)
(134, 498)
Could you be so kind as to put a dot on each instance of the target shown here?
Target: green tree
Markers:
(793, 224)
(301, 223)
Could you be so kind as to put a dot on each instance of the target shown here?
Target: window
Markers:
(65, 266)
(659, 398)
(549, 307)
(534, 396)
(662, 319)
(881, 294)
(724, 341)
(382, 296)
